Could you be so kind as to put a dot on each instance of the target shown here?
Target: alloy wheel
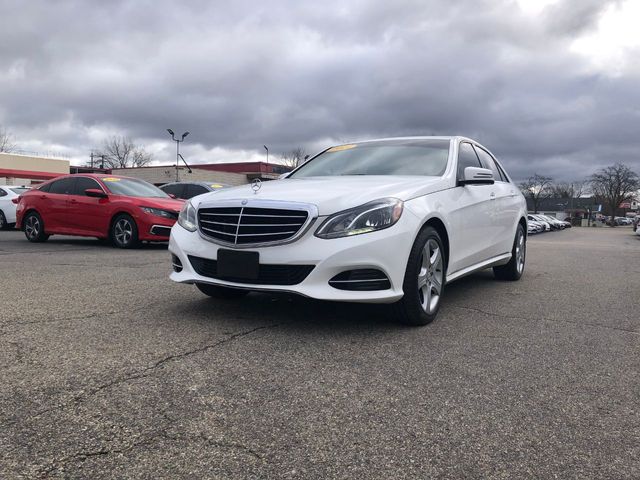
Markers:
(123, 231)
(32, 226)
(521, 250)
(430, 276)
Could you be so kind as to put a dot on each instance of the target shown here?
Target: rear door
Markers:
(472, 216)
(88, 215)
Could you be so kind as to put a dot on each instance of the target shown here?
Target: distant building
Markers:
(237, 173)
(17, 169)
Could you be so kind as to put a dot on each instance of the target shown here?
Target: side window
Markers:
(45, 187)
(193, 190)
(63, 186)
(84, 183)
(3, 193)
(488, 162)
(174, 189)
(502, 174)
(466, 158)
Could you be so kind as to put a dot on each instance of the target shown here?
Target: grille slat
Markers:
(251, 225)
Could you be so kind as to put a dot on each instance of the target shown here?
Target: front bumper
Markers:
(386, 250)
(152, 228)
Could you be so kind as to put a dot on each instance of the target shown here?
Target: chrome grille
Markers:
(246, 225)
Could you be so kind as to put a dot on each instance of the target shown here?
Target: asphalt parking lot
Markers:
(109, 370)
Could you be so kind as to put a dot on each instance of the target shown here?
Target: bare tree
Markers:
(6, 141)
(569, 189)
(537, 188)
(614, 185)
(121, 152)
(294, 157)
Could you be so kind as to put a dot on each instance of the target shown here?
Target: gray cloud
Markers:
(290, 73)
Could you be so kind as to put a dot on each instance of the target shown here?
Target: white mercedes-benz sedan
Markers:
(382, 221)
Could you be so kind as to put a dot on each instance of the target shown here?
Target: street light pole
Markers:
(267, 149)
(178, 141)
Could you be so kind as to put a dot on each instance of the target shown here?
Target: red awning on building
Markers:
(29, 174)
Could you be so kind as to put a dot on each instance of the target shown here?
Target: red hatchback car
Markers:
(125, 210)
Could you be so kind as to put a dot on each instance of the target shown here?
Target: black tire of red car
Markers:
(215, 291)
(513, 270)
(33, 227)
(3, 221)
(423, 285)
(124, 232)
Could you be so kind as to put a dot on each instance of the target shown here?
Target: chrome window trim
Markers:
(312, 216)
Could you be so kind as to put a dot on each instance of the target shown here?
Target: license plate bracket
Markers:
(238, 264)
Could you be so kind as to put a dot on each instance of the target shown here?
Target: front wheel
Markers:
(423, 281)
(215, 291)
(3, 221)
(515, 268)
(124, 232)
(34, 228)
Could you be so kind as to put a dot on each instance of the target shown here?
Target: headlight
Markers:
(158, 212)
(187, 217)
(366, 218)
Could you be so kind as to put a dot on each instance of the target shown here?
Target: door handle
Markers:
(42, 197)
(73, 200)
(492, 196)
(513, 194)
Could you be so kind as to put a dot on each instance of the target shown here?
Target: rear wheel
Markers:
(515, 268)
(34, 228)
(215, 291)
(3, 221)
(124, 232)
(423, 281)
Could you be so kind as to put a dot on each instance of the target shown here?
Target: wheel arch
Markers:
(523, 222)
(441, 228)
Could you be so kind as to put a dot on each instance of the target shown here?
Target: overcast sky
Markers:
(549, 86)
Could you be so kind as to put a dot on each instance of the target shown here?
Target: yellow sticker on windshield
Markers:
(111, 179)
(217, 185)
(339, 148)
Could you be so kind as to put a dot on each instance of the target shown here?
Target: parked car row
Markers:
(538, 223)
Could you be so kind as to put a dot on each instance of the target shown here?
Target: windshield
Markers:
(388, 157)
(19, 190)
(132, 187)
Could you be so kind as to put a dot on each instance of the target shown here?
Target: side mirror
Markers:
(477, 176)
(95, 192)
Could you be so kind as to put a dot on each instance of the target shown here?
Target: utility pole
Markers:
(178, 141)
(267, 149)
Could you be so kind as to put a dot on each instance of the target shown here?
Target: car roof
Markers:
(418, 137)
(196, 182)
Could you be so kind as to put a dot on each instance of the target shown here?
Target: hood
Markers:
(170, 204)
(331, 194)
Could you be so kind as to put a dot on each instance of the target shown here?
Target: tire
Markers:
(3, 221)
(34, 228)
(124, 232)
(424, 281)
(215, 291)
(513, 270)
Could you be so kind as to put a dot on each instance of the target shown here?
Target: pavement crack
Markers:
(232, 445)
(145, 372)
(547, 319)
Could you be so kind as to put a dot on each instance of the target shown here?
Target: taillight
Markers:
(15, 200)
